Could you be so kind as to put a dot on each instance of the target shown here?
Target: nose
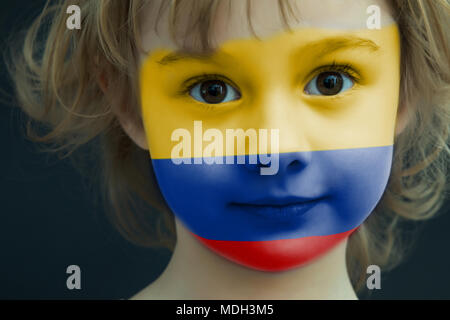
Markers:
(280, 164)
(278, 109)
(293, 162)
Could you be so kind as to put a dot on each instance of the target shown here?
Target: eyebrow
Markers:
(177, 56)
(330, 45)
(324, 46)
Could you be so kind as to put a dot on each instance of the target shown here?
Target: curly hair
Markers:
(56, 80)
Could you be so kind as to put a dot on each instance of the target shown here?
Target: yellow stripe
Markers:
(271, 76)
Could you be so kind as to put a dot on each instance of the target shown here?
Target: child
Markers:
(355, 120)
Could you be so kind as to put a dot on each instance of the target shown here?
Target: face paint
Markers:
(335, 146)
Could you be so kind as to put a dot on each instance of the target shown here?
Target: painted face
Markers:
(319, 103)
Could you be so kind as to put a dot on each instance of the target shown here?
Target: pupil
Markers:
(213, 91)
(329, 83)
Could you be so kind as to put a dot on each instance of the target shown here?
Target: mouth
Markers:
(278, 209)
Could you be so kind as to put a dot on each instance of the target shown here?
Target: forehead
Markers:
(230, 19)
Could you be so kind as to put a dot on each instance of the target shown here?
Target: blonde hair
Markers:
(57, 85)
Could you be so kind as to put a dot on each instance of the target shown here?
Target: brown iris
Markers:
(329, 83)
(213, 91)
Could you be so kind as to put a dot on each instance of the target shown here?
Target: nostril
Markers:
(295, 164)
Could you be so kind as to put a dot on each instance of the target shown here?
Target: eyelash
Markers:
(190, 83)
(346, 68)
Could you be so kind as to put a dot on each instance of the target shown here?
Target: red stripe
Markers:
(275, 255)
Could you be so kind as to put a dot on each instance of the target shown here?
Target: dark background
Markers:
(48, 221)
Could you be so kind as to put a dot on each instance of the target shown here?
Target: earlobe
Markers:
(132, 127)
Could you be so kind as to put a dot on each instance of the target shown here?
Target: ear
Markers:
(134, 128)
(131, 124)
(402, 119)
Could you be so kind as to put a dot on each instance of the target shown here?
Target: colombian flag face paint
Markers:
(334, 148)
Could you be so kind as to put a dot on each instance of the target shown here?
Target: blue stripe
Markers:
(350, 182)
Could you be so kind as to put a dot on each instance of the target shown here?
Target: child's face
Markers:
(327, 96)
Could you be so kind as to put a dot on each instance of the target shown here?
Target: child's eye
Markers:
(329, 83)
(213, 92)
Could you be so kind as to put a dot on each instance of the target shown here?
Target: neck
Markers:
(195, 272)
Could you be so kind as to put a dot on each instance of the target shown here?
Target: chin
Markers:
(275, 255)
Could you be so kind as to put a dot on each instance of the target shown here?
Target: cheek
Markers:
(358, 178)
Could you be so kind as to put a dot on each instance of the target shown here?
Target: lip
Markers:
(279, 208)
